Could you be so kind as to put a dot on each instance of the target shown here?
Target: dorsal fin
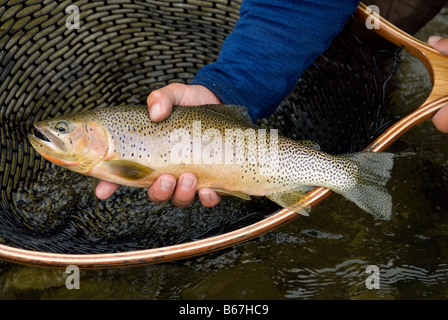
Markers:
(310, 144)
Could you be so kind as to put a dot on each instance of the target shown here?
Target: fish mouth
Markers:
(39, 134)
(43, 139)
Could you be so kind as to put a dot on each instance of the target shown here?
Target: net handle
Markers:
(437, 66)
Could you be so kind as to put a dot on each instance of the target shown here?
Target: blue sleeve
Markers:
(272, 44)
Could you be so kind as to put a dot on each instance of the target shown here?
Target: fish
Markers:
(217, 143)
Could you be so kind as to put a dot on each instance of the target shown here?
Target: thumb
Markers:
(440, 119)
(439, 43)
(161, 101)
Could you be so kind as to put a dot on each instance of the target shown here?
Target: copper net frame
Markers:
(437, 67)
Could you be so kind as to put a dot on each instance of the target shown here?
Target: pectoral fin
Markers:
(127, 169)
(288, 199)
(231, 193)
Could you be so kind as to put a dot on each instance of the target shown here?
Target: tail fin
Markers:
(370, 193)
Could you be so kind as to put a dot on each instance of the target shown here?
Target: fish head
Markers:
(76, 143)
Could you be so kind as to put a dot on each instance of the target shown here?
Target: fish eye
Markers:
(62, 127)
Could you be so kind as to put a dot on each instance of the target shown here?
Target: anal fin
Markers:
(288, 198)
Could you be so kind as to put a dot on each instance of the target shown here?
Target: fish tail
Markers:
(369, 191)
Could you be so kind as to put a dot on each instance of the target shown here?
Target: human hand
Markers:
(440, 119)
(160, 103)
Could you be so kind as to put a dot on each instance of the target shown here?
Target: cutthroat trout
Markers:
(217, 143)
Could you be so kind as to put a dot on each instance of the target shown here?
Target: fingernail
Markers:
(166, 185)
(205, 196)
(433, 39)
(187, 183)
(155, 110)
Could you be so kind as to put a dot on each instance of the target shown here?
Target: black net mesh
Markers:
(122, 51)
(340, 102)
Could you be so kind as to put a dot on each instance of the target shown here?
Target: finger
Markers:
(185, 191)
(162, 189)
(105, 189)
(208, 197)
(439, 43)
(160, 102)
(440, 119)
